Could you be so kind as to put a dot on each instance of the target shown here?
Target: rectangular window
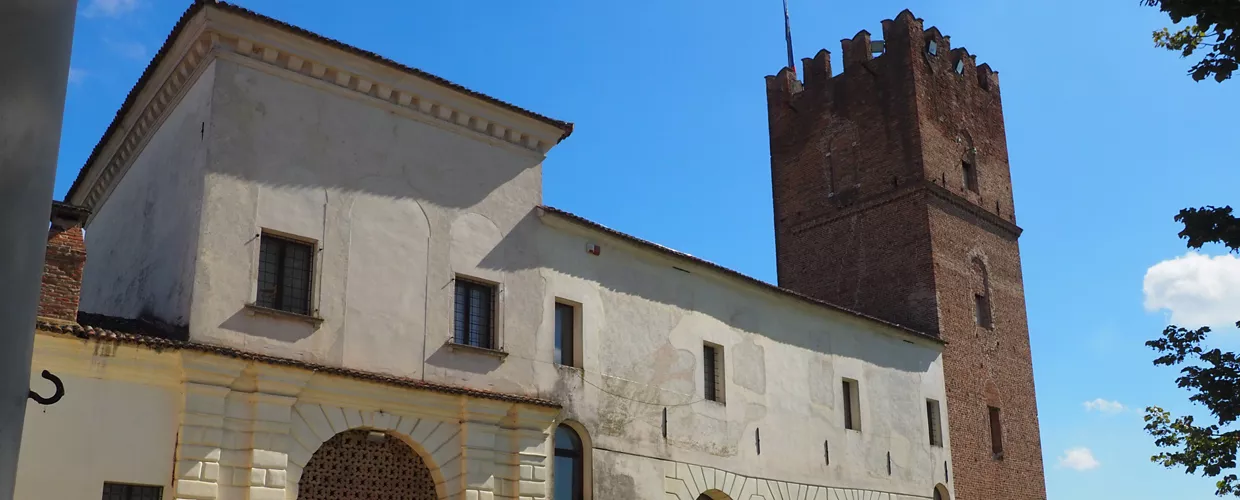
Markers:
(117, 491)
(933, 420)
(565, 334)
(970, 175)
(284, 274)
(996, 433)
(981, 310)
(852, 405)
(475, 311)
(712, 366)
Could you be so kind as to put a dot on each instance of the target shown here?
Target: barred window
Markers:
(852, 405)
(284, 274)
(475, 311)
(712, 367)
(117, 491)
(934, 420)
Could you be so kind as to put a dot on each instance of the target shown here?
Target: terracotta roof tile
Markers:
(157, 343)
(235, 9)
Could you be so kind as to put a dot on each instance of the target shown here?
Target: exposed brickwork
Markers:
(63, 263)
(873, 212)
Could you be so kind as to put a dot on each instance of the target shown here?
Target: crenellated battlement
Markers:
(906, 49)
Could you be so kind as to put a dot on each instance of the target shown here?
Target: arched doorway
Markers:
(366, 465)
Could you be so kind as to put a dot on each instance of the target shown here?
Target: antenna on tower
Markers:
(788, 38)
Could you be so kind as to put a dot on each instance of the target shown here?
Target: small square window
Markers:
(118, 491)
(932, 48)
(852, 405)
(474, 323)
(712, 367)
(934, 420)
(565, 334)
(285, 269)
(996, 432)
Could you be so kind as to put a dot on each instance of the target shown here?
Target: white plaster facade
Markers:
(402, 185)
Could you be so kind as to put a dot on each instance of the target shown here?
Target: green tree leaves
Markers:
(1212, 376)
(1213, 29)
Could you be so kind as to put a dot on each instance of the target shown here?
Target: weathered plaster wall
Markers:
(141, 243)
(108, 427)
(390, 200)
(644, 324)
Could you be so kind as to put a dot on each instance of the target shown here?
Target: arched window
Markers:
(940, 493)
(569, 465)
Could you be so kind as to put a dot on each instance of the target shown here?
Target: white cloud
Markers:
(1104, 406)
(77, 75)
(1198, 290)
(130, 50)
(1080, 459)
(109, 8)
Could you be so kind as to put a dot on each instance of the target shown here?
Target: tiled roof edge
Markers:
(571, 217)
(159, 344)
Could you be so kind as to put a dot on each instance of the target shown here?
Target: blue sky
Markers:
(1108, 139)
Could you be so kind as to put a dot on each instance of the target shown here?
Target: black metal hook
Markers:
(60, 391)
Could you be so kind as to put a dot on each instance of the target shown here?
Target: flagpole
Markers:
(788, 38)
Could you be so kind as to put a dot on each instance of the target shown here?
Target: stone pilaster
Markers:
(257, 437)
(198, 469)
(526, 460)
(482, 449)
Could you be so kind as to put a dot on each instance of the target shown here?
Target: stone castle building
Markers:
(293, 269)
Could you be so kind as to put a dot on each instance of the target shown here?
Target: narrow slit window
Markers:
(852, 405)
(970, 175)
(565, 334)
(712, 367)
(933, 420)
(996, 433)
(981, 308)
(474, 323)
(284, 274)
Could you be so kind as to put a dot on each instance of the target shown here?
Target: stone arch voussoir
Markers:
(437, 442)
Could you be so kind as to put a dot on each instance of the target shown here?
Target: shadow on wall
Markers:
(285, 134)
(735, 309)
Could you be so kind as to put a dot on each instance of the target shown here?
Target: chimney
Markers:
(63, 263)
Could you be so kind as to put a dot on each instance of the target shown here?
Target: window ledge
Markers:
(997, 456)
(485, 351)
(252, 309)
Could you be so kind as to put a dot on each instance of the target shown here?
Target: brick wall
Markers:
(872, 211)
(63, 263)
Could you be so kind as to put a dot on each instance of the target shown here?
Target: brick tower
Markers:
(893, 196)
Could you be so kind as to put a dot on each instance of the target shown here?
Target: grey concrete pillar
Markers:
(35, 41)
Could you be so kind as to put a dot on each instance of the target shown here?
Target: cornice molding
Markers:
(223, 35)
